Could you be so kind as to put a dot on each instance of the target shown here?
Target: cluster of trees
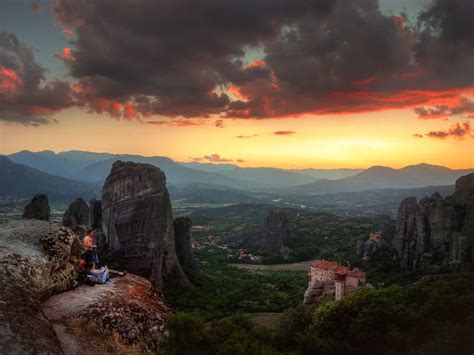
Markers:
(225, 290)
(432, 318)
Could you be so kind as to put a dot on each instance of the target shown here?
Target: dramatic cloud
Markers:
(186, 58)
(457, 131)
(464, 106)
(183, 59)
(215, 158)
(284, 133)
(25, 95)
(417, 135)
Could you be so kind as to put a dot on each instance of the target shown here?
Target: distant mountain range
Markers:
(380, 177)
(94, 167)
(90, 167)
(22, 181)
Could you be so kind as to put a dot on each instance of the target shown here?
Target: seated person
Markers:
(96, 275)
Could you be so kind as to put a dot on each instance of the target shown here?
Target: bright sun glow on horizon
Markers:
(332, 141)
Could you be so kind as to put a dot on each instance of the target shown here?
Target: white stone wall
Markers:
(352, 281)
(339, 286)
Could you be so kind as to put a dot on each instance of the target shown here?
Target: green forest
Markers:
(431, 318)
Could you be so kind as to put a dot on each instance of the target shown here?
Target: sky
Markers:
(283, 83)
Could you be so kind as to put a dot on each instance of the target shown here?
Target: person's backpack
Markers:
(98, 276)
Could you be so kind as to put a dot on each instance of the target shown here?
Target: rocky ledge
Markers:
(127, 308)
(44, 311)
(38, 259)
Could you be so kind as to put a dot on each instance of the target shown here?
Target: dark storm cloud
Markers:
(25, 96)
(185, 58)
(446, 44)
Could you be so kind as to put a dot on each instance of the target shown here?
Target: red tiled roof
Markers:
(326, 265)
(337, 268)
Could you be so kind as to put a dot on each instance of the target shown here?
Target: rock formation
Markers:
(437, 232)
(127, 306)
(37, 259)
(38, 208)
(95, 213)
(367, 248)
(77, 216)
(43, 312)
(138, 223)
(380, 237)
(183, 244)
(270, 240)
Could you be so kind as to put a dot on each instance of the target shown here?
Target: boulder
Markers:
(77, 216)
(38, 259)
(183, 243)
(138, 223)
(437, 232)
(38, 208)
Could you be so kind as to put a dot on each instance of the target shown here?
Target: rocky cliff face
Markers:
(138, 222)
(77, 216)
(37, 259)
(437, 232)
(95, 213)
(38, 208)
(270, 240)
(183, 243)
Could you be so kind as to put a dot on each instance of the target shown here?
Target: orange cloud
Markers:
(236, 92)
(177, 122)
(284, 133)
(457, 131)
(215, 158)
(67, 53)
(256, 64)
(9, 81)
(219, 124)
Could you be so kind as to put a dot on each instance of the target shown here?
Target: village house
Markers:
(332, 278)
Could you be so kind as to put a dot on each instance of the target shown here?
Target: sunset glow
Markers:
(266, 98)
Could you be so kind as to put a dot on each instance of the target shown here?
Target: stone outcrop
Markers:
(37, 259)
(437, 232)
(77, 216)
(38, 208)
(270, 240)
(183, 244)
(367, 248)
(127, 306)
(95, 213)
(138, 223)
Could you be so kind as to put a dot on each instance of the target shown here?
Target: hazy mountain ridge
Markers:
(94, 167)
(380, 177)
(23, 181)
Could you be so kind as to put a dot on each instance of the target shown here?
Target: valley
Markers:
(247, 252)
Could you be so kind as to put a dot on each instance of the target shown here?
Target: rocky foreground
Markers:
(39, 263)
